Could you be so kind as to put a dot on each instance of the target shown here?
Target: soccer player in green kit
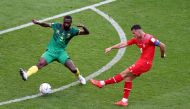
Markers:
(63, 33)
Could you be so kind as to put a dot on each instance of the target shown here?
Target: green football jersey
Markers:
(60, 37)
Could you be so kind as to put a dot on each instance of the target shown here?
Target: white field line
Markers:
(56, 16)
(120, 52)
(118, 56)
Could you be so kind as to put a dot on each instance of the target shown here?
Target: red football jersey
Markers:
(147, 47)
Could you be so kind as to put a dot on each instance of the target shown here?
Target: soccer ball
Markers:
(45, 88)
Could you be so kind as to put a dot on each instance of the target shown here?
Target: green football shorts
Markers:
(52, 55)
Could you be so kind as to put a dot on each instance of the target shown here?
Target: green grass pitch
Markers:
(166, 86)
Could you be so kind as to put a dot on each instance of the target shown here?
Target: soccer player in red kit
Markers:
(146, 43)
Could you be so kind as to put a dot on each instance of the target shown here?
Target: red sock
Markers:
(117, 78)
(127, 89)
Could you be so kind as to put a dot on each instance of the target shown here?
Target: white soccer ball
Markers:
(45, 88)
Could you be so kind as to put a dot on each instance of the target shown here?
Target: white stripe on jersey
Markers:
(153, 40)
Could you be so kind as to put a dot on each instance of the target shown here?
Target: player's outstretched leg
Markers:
(69, 64)
(97, 83)
(80, 77)
(32, 70)
(116, 79)
(23, 74)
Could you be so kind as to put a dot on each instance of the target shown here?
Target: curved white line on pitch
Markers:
(118, 56)
(56, 16)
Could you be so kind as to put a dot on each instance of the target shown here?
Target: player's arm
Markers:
(43, 24)
(162, 46)
(83, 30)
(121, 45)
(117, 46)
(162, 49)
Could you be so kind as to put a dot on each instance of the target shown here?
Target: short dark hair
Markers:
(67, 18)
(135, 27)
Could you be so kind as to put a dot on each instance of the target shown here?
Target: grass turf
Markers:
(166, 86)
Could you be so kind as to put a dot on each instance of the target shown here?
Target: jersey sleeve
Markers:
(131, 42)
(75, 31)
(154, 41)
(54, 26)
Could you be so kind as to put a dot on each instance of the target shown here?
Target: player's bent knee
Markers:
(125, 73)
(130, 78)
(40, 65)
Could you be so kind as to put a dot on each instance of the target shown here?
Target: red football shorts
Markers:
(140, 67)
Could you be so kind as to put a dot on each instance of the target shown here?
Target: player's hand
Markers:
(35, 21)
(108, 50)
(80, 25)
